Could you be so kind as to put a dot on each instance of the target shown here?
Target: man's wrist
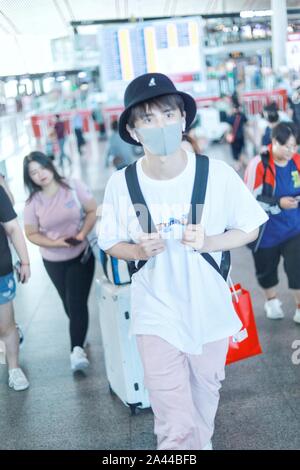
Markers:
(135, 250)
(207, 245)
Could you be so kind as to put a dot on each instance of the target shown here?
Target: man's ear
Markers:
(132, 133)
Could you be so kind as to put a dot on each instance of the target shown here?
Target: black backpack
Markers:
(197, 204)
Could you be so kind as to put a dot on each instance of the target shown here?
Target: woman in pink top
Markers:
(53, 221)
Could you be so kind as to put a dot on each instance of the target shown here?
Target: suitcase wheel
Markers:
(133, 409)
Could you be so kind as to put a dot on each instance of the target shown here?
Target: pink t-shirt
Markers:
(58, 216)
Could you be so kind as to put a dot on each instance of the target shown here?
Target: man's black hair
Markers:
(139, 111)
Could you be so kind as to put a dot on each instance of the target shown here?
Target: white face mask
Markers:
(161, 141)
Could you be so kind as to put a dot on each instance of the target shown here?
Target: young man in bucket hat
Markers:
(181, 307)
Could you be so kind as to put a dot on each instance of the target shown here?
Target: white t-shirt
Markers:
(177, 294)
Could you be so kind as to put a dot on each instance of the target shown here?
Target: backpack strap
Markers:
(195, 214)
(141, 210)
(196, 211)
(199, 189)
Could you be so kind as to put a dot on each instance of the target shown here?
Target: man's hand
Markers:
(288, 202)
(150, 245)
(194, 237)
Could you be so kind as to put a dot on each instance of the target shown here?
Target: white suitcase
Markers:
(122, 361)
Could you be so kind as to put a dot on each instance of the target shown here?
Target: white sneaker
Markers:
(79, 361)
(17, 380)
(297, 316)
(273, 309)
(208, 446)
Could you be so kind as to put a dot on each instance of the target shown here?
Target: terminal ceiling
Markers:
(53, 17)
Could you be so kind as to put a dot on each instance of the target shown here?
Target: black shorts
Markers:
(267, 261)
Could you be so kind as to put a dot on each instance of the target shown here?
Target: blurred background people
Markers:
(295, 105)
(274, 178)
(77, 124)
(55, 222)
(272, 117)
(9, 335)
(190, 144)
(191, 140)
(6, 188)
(236, 137)
(61, 139)
(98, 117)
(119, 152)
(50, 144)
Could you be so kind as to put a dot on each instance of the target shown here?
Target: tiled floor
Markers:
(260, 399)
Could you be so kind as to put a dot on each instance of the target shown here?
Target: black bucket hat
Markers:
(144, 88)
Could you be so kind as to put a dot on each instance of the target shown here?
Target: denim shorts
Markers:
(7, 288)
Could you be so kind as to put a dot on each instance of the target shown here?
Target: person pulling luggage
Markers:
(181, 308)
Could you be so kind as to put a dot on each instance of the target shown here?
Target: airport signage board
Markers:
(173, 47)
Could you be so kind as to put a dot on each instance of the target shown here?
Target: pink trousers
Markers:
(183, 391)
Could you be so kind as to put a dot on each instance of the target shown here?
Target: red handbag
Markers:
(246, 342)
